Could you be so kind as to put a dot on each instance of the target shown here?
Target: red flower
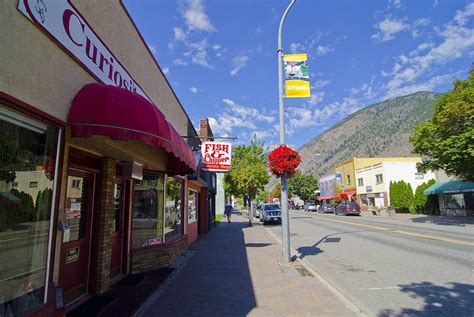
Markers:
(284, 160)
(344, 196)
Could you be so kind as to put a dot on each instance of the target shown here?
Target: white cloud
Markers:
(191, 36)
(323, 50)
(179, 34)
(179, 62)
(435, 3)
(297, 48)
(395, 3)
(238, 63)
(428, 85)
(311, 46)
(456, 41)
(152, 48)
(234, 116)
(194, 90)
(462, 17)
(196, 17)
(388, 27)
(166, 70)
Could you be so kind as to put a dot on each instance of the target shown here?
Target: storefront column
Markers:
(105, 218)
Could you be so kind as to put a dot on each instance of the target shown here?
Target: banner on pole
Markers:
(216, 156)
(296, 76)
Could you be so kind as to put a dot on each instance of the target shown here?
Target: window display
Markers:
(173, 207)
(26, 188)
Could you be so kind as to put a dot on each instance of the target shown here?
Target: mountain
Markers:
(379, 130)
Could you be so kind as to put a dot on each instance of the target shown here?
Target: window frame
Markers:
(377, 181)
(29, 112)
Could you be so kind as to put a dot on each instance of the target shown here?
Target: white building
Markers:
(373, 181)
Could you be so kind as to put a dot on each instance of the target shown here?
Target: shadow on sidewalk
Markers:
(216, 281)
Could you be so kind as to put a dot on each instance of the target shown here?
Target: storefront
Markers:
(455, 197)
(93, 176)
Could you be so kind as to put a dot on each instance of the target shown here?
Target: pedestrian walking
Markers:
(228, 211)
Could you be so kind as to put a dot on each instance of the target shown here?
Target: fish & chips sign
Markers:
(216, 156)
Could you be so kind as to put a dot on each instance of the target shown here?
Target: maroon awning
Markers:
(100, 109)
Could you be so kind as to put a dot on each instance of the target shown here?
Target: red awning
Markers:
(100, 109)
(327, 197)
(349, 193)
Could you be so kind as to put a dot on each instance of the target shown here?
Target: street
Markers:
(390, 266)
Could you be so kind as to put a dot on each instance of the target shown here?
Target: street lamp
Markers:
(285, 219)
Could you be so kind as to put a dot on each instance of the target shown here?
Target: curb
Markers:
(356, 309)
(157, 293)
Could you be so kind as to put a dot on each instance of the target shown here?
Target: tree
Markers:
(276, 191)
(249, 171)
(262, 195)
(302, 185)
(446, 141)
(420, 201)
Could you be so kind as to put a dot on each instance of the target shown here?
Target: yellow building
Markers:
(348, 169)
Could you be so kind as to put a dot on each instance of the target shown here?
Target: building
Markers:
(455, 197)
(373, 180)
(328, 188)
(94, 167)
(347, 170)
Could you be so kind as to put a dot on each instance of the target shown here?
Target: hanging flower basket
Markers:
(284, 160)
(344, 196)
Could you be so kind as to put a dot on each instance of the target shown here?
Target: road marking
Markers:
(407, 233)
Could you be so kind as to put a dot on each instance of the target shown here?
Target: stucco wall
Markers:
(37, 71)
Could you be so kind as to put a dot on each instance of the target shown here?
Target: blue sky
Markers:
(220, 57)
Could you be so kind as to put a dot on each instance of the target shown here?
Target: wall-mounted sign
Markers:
(67, 27)
(216, 156)
(297, 76)
(72, 255)
(154, 241)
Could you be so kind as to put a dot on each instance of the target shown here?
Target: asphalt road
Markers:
(390, 267)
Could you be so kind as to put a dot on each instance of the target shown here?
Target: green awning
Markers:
(451, 187)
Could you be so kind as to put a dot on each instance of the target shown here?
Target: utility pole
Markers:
(285, 219)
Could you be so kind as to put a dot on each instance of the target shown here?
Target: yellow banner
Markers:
(297, 89)
(296, 76)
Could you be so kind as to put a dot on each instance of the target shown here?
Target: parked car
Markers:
(271, 213)
(311, 207)
(257, 209)
(326, 209)
(348, 208)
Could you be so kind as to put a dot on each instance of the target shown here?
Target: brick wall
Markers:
(105, 218)
(157, 257)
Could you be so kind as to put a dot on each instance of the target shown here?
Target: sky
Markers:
(220, 57)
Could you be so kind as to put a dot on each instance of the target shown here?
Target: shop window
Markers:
(193, 201)
(173, 205)
(378, 179)
(76, 183)
(147, 222)
(360, 182)
(454, 201)
(28, 151)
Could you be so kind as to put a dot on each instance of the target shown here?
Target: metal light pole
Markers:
(285, 219)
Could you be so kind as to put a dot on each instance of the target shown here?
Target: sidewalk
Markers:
(235, 271)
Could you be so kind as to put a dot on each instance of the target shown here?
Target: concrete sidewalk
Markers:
(235, 271)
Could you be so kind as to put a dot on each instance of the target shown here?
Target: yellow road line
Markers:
(407, 233)
(434, 238)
